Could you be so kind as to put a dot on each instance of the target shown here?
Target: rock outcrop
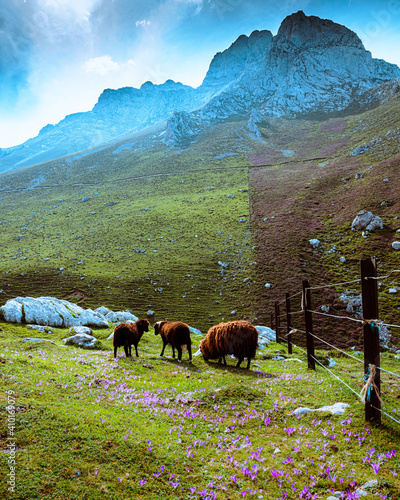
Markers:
(366, 221)
(311, 65)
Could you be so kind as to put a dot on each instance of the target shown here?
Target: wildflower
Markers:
(142, 482)
(96, 472)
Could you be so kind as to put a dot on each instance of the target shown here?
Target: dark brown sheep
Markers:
(126, 334)
(239, 338)
(175, 333)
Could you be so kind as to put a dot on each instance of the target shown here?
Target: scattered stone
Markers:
(336, 409)
(194, 330)
(396, 245)
(366, 221)
(150, 313)
(325, 309)
(315, 243)
(231, 196)
(85, 198)
(331, 363)
(38, 340)
(82, 340)
(265, 336)
(359, 175)
(40, 328)
(81, 329)
(342, 259)
(268, 285)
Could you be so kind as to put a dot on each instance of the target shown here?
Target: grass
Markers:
(88, 426)
(141, 226)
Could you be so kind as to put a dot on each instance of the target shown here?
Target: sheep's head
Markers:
(157, 327)
(203, 350)
(143, 325)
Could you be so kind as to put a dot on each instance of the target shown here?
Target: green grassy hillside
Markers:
(157, 220)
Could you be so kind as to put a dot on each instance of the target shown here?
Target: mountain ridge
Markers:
(311, 65)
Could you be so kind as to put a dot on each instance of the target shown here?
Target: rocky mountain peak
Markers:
(301, 30)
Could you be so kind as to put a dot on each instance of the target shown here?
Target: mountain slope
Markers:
(311, 65)
(195, 232)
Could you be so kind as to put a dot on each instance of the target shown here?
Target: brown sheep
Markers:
(126, 334)
(175, 333)
(235, 337)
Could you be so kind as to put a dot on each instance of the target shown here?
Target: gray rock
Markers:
(50, 311)
(315, 243)
(40, 328)
(366, 221)
(82, 340)
(396, 245)
(194, 330)
(81, 329)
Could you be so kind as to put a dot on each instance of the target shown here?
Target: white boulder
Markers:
(396, 245)
(315, 243)
(336, 409)
(50, 311)
(265, 336)
(366, 221)
(81, 329)
(82, 340)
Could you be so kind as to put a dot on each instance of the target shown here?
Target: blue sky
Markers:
(58, 55)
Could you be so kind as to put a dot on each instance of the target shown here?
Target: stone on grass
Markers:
(396, 245)
(81, 329)
(315, 243)
(366, 221)
(82, 340)
(336, 409)
(50, 311)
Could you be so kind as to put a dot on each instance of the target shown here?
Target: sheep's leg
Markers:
(126, 351)
(222, 358)
(189, 348)
(248, 363)
(239, 361)
(179, 349)
(115, 351)
(163, 349)
(173, 352)
(137, 355)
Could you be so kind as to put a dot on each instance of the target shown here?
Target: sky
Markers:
(57, 56)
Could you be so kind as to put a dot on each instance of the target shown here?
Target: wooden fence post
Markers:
(289, 323)
(309, 325)
(272, 321)
(277, 321)
(369, 290)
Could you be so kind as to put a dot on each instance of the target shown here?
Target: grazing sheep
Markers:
(235, 337)
(175, 333)
(126, 334)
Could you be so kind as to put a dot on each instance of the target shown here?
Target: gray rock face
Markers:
(50, 311)
(311, 65)
(180, 127)
(366, 221)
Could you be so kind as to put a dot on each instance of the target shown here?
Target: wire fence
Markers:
(372, 326)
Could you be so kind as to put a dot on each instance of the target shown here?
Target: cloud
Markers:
(101, 65)
(143, 23)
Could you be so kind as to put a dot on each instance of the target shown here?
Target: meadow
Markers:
(89, 426)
